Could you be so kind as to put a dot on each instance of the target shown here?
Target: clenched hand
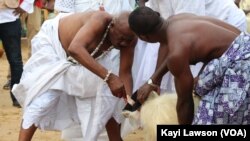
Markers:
(116, 86)
(144, 91)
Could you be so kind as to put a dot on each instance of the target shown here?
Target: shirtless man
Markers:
(224, 10)
(72, 59)
(224, 83)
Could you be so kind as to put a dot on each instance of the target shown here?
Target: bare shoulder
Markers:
(181, 29)
(178, 34)
(101, 16)
(179, 44)
(182, 16)
(180, 20)
(84, 17)
(178, 55)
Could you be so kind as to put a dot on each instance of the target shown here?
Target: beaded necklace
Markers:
(97, 48)
(101, 43)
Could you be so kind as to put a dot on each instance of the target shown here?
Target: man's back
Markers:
(224, 10)
(204, 37)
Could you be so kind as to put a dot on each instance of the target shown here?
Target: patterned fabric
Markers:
(224, 86)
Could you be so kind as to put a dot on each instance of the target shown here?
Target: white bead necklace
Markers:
(97, 48)
(101, 43)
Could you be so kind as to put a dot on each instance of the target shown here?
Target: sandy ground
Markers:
(10, 117)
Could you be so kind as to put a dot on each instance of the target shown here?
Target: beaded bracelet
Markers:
(107, 76)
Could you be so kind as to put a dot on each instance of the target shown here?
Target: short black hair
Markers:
(144, 20)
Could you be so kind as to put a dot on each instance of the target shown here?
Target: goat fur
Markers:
(156, 110)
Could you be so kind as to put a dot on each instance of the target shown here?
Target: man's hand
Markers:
(116, 86)
(18, 11)
(144, 92)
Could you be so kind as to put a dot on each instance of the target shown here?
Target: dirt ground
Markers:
(10, 116)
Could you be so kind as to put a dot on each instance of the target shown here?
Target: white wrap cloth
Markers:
(56, 93)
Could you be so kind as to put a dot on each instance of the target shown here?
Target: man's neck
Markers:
(162, 32)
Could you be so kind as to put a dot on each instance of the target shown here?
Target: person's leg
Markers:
(42, 112)
(94, 118)
(114, 130)
(27, 134)
(6, 86)
(12, 45)
(23, 19)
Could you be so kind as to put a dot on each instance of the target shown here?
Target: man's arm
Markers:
(185, 104)
(161, 66)
(156, 78)
(126, 62)
(178, 64)
(27, 6)
(88, 34)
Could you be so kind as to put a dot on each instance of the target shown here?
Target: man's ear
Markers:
(143, 36)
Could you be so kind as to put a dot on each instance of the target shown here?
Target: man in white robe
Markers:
(53, 82)
(75, 6)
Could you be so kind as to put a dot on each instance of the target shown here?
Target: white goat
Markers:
(156, 110)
